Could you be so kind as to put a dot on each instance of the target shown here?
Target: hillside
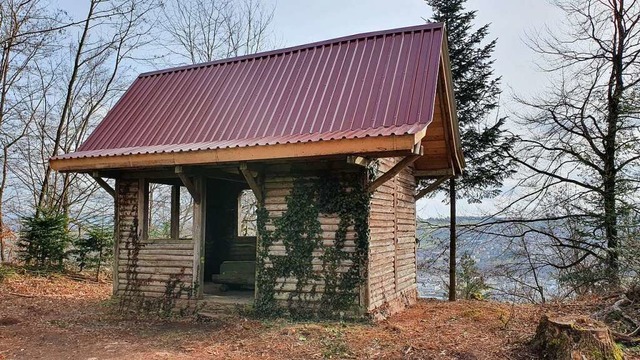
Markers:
(61, 317)
(491, 254)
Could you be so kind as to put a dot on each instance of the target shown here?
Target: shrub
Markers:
(5, 272)
(43, 239)
(93, 249)
(471, 283)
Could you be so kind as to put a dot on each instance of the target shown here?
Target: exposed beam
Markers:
(393, 145)
(188, 184)
(431, 187)
(103, 184)
(433, 174)
(253, 184)
(357, 160)
(418, 151)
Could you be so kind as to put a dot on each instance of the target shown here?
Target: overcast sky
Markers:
(299, 21)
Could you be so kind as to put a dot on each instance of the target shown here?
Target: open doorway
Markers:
(230, 243)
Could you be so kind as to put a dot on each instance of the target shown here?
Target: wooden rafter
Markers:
(253, 184)
(418, 151)
(103, 184)
(188, 184)
(431, 187)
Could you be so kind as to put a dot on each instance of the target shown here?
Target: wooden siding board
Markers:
(157, 261)
(276, 189)
(392, 264)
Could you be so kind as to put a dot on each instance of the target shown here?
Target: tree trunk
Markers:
(568, 339)
(452, 240)
(98, 267)
(64, 115)
(614, 98)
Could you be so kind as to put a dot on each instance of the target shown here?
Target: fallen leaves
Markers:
(66, 317)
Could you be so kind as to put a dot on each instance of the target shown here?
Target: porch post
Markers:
(116, 238)
(199, 222)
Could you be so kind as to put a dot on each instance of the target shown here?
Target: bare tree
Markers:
(580, 144)
(110, 35)
(206, 30)
(25, 36)
(247, 216)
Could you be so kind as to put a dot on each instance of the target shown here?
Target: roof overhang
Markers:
(442, 146)
(392, 145)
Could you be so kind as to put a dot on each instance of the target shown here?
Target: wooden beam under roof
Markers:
(392, 145)
(195, 194)
(103, 184)
(253, 184)
(357, 160)
(418, 151)
(431, 187)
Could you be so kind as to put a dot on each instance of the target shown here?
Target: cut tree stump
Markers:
(575, 339)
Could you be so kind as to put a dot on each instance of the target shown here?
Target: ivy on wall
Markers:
(132, 296)
(299, 231)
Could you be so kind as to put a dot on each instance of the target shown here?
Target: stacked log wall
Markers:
(146, 269)
(277, 187)
(392, 244)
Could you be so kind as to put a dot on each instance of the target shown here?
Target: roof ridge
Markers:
(365, 35)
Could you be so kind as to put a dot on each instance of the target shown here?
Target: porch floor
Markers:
(213, 293)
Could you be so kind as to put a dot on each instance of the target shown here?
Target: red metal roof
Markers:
(373, 84)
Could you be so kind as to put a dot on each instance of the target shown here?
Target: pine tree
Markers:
(44, 239)
(477, 91)
(93, 249)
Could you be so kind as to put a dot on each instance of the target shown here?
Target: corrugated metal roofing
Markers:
(373, 84)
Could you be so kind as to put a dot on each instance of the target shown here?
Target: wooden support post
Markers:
(175, 212)
(199, 234)
(452, 240)
(431, 187)
(395, 170)
(253, 184)
(116, 242)
(103, 184)
(195, 194)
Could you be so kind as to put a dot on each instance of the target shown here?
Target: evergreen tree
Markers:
(93, 249)
(477, 91)
(44, 239)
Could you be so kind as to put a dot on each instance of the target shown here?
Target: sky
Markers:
(512, 22)
(302, 21)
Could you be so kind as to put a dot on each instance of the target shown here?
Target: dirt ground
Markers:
(65, 318)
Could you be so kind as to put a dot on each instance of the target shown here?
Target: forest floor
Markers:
(62, 317)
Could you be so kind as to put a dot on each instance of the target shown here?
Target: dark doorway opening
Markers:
(230, 242)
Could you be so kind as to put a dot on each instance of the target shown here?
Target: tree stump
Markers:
(575, 339)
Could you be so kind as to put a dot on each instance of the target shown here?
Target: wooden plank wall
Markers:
(392, 247)
(276, 188)
(157, 261)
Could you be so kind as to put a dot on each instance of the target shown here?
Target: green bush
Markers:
(44, 239)
(93, 249)
(471, 283)
(5, 272)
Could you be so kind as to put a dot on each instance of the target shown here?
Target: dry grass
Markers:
(60, 317)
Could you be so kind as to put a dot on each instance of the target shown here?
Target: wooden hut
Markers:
(331, 138)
